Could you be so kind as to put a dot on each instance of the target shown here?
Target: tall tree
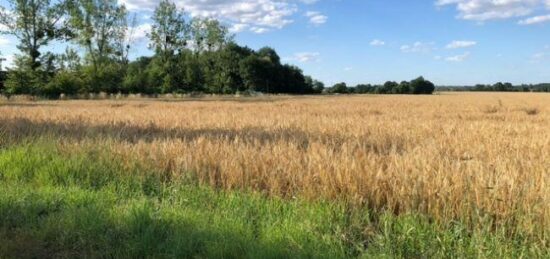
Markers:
(99, 25)
(169, 32)
(34, 24)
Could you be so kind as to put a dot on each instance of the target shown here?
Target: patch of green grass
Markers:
(89, 204)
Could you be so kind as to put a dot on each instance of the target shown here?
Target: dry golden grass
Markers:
(469, 157)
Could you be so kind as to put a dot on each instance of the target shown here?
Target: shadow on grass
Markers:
(25, 104)
(23, 128)
(69, 225)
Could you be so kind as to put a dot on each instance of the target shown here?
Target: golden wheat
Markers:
(451, 156)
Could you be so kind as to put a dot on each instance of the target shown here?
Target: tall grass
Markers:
(86, 204)
(443, 157)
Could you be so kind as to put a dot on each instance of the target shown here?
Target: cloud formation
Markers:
(255, 15)
(457, 44)
(417, 47)
(305, 57)
(377, 42)
(316, 18)
(458, 58)
(485, 10)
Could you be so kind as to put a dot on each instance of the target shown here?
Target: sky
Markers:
(450, 42)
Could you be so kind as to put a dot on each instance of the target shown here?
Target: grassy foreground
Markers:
(56, 201)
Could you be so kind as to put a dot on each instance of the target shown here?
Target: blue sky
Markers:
(451, 42)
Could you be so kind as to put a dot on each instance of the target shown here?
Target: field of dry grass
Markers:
(473, 157)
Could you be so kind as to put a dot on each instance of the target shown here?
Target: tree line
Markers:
(415, 86)
(500, 87)
(190, 55)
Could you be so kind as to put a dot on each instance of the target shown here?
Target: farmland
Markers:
(448, 175)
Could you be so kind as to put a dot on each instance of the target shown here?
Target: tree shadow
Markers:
(21, 128)
(25, 104)
(49, 227)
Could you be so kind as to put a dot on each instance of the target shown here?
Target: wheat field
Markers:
(472, 157)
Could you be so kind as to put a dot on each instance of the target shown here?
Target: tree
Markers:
(422, 86)
(169, 31)
(99, 26)
(404, 88)
(340, 88)
(389, 87)
(318, 87)
(34, 24)
(254, 72)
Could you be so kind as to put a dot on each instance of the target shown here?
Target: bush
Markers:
(64, 82)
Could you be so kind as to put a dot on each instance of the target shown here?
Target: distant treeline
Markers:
(499, 87)
(190, 55)
(416, 86)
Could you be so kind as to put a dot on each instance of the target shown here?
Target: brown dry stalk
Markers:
(443, 155)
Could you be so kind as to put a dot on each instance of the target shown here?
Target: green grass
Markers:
(55, 203)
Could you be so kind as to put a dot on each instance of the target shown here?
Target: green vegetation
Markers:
(191, 55)
(60, 202)
(500, 87)
(416, 86)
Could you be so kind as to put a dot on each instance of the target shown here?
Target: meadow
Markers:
(453, 175)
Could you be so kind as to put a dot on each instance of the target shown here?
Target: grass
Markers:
(342, 176)
(85, 204)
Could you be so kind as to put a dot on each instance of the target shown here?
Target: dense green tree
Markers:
(340, 88)
(404, 88)
(422, 86)
(98, 27)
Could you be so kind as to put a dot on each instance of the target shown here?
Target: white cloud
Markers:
(535, 20)
(484, 10)
(238, 27)
(140, 32)
(305, 57)
(259, 14)
(377, 42)
(259, 30)
(458, 58)
(8, 63)
(348, 68)
(316, 18)
(417, 47)
(460, 44)
(4, 41)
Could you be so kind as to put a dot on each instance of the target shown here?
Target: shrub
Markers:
(64, 82)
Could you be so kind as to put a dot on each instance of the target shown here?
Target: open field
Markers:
(449, 175)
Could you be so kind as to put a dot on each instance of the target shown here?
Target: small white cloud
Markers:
(438, 57)
(316, 18)
(305, 57)
(417, 47)
(259, 30)
(8, 63)
(458, 58)
(348, 68)
(4, 41)
(535, 20)
(539, 56)
(238, 27)
(377, 42)
(460, 44)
